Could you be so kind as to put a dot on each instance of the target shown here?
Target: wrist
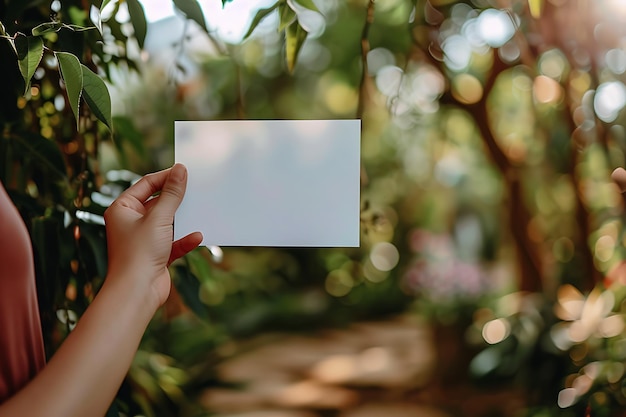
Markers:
(130, 295)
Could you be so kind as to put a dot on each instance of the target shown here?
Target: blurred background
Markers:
(490, 276)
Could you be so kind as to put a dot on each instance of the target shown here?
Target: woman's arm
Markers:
(85, 373)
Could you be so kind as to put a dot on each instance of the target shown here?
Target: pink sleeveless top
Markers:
(21, 341)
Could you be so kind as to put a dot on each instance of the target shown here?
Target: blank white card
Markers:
(270, 182)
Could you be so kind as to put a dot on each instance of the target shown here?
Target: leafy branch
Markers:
(79, 80)
(289, 23)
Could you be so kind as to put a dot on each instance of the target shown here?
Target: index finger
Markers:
(148, 185)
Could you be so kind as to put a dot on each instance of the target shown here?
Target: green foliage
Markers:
(308, 4)
(286, 17)
(481, 181)
(45, 28)
(138, 19)
(96, 94)
(51, 146)
(29, 51)
(72, 73)
(33, 146)
(263, 13)
(125, 131)
(294, 33)
(192, 10)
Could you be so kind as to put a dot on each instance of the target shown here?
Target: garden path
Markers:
(374, 369)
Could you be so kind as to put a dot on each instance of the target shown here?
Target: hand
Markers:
(140, 232)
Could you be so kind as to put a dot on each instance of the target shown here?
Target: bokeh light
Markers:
(566, 397)
(384, 256)
(616, 60)
(609, 100)
(546, 90)
(389, 79)
(495, 331)
(339, 282)
(467, 88)
(457, 52)
(496, 27)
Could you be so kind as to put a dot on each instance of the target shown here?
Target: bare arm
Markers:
(84, 375)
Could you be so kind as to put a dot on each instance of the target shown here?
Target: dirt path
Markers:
(375, 369)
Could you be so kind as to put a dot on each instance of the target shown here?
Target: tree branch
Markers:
(365, 48)
(529, 258)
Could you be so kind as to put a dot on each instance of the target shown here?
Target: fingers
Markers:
(184, 245)
(149, 184)
(172, 192)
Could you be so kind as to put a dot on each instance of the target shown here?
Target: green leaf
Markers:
(3, 31)
(188, 287)
(96, 94)
(307, 4)
(295, 36)
(138, 19)
(44, 151)
(72, 73)
(116, 30)
(260, 15)
(192, 10)
(80, 16)
(125, 130)
(287, 16)
(198, 265)
(96, 240)
(46, 28)
(29, 52)
(224, 2)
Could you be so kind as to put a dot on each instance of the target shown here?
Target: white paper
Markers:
(270, 182)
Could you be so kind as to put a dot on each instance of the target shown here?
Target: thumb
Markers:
(173, 191)
(619, 177)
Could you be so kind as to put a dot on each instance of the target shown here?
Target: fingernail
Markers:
(179, 172)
